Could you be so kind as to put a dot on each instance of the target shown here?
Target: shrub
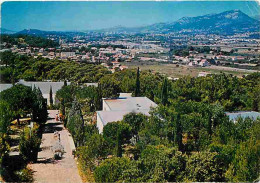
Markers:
(111, 170)
(29, 144)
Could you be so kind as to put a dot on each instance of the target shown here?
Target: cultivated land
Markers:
(176, 71)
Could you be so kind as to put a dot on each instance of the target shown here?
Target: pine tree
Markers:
(137, 84)
(164, 92)
(51, 99)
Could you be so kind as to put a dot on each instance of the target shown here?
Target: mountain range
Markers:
(228, 22)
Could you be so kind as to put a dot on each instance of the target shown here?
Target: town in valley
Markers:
(171, 101)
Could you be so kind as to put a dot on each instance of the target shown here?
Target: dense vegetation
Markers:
(187, 137)
(19, 102)
(27, 40)
(28, 68)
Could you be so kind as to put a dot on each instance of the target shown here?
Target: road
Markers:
(231, 69)
(46, 169)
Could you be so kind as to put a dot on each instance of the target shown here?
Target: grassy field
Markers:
(174, 71)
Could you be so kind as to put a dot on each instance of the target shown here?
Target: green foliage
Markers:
(5, 116)
(29, 144)
(24, 40)
(186, 138)
(110, 170)
(245, 165)
(116, 134)
(109, 87)
(40, 112)
(204, 167)
(135, 121)
(161, 164)
(51, 98)
(164, 92)
(24, 175)
(20, 99)
(76, 123)
(137, 83)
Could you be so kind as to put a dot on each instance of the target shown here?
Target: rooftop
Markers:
(110, 116)
(123, 95)
(130, 104)
(243, 114)
(44, 86)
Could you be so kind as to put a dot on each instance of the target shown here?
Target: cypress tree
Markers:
(137, 84)
(51, 99)
(178, 133)
(119, 143)
(164, 92)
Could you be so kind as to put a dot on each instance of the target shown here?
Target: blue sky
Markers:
(96, 15)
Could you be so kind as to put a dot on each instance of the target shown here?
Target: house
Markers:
(203, 74)
(65, 55)
(233, 116)
(193, 63)
(44, 87)
(115, 109)
(204, 63)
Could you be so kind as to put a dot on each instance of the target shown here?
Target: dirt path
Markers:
(46, 169)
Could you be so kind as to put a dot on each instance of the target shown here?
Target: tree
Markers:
(256, 98)
(204, 167)
(7, 58)
(162, 164)
(5, 119)
(5, 116)
(29, 143)
(65, 83)
(40, 112)
(50, 96)
(164, 92)
(76, 123)
(135, 122)
(137, 84)
(116, 134)
(110, 170)
(109, 87)
(20, 99)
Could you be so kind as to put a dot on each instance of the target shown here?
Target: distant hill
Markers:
(37, 32)
(6, 31)
(41, 33)
(257, 17)
(228, 22)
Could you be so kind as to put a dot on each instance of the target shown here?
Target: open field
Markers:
(175, 71)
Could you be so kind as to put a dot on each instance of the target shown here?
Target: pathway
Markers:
(46, 169)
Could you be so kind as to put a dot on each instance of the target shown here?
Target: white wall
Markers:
(105, 106)
(100, 125)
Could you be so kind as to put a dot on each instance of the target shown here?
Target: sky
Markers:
(80, 16)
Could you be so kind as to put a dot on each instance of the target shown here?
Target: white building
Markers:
(115, 109)
(204, 63)
(65, 55)
(44, 87)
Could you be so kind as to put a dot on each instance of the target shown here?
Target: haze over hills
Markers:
(6, 31)
(228, 22)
